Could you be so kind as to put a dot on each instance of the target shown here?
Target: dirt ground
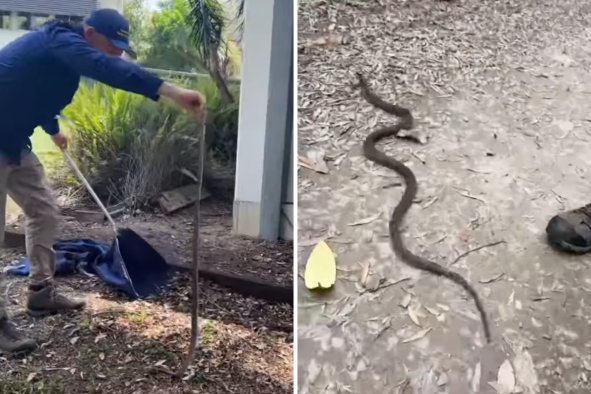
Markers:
(246, 344)
(500, 91)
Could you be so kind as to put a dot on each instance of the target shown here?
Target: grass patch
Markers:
(155, 350)
(209, 333)
(20, 385)
(138, 317)
(47, 152)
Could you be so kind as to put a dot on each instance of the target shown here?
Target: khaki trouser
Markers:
(27, 185)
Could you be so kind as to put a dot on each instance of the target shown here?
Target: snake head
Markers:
(360, 80)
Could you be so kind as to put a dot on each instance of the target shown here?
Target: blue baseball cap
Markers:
(111, 24)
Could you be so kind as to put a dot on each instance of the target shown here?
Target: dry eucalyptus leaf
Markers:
(405, 301)
(31, 376)
(505, 379)
(432, 311)
(306, 163)
(511, 298)
(419, 335)
(317, 160)
(99, 337)
(348, 270)
(364, 274)
(476, 378)
(413, 316)
(525, 371)
(366, 220)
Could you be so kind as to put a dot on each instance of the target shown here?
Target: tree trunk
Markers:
(217, 75)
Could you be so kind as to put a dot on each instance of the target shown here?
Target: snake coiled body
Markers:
(372, 153)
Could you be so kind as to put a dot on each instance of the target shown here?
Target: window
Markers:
(29, 21)
(38, 19)
(4, 19)
(23, 21)
(70, 19)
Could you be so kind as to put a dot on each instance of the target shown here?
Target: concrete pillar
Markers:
(264, 99)
(287, 211)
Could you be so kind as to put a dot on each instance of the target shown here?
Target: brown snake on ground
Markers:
(372, 153)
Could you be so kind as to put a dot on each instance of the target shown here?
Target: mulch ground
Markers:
(246, 343)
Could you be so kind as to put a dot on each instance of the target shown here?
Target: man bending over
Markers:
(39, 75)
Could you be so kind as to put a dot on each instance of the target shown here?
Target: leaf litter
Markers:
(108, 347)
(430, 49)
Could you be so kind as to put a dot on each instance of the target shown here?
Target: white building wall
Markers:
(115, 4)
(8, 35)
(263, 197)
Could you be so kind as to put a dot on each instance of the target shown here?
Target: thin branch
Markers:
(476, 249)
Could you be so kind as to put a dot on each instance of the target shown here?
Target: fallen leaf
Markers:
(348, 270)
(431, 311)
(511, 298)
(74, 340)
(99, 337)
(364, 274)
(476, 378)
(321, 270)
(314, 160)
(413, 316)
(493, 278)
(442, 381)
(366, 220)
(525, 371)
(159, 363)
(102, 356)
(100, 376)
(405, 301)
(330, 39)
(304, 162)
(419, 335)
(31, 376)
(505, 378)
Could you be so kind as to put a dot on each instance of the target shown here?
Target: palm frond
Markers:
(208, 20)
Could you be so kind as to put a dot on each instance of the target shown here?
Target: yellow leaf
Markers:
(321, 268)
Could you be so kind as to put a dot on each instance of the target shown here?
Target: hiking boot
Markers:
(571, 231)
(47, 301)
(12, 341)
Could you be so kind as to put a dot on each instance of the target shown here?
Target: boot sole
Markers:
(565, 246)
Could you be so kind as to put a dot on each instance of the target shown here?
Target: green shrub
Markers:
(131, 148)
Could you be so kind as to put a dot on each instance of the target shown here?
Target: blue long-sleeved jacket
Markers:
(40, 73)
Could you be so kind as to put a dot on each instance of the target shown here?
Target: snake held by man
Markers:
(372, 153)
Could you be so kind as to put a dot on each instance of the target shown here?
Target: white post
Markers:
(266, 68)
